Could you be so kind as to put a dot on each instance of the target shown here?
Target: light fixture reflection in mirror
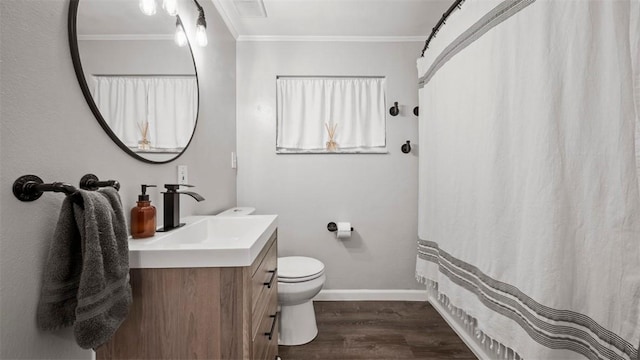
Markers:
(201, 27)
(141, 86)
(148, 7)
(171, 7)
(180, 37)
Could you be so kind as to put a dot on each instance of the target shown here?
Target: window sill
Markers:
(337, 152)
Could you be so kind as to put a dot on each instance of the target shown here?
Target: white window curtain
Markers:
(308, 108)
(168, 104)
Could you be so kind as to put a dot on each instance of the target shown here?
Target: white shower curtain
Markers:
(529, 206)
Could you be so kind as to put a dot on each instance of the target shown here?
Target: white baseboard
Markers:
(371, 295)
(467, 338)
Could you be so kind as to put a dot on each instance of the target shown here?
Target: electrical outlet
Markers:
(234, 160)
(183, 177)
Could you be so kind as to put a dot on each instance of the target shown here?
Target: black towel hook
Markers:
(406, 147)
(394, 110)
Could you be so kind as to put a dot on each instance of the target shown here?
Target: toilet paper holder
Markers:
(334, 227)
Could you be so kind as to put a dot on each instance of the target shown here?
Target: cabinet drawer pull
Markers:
(273, 275)
(273, 325)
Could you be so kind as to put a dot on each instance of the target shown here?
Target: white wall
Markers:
(377, 193)
(47, 129)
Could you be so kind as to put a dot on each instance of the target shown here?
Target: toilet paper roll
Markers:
(344, 230)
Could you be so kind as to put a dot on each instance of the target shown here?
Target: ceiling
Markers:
(348, 20)
(364, 20)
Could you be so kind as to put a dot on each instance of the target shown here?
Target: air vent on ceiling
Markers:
(250, 8)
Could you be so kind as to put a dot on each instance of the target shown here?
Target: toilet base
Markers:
(297, 324)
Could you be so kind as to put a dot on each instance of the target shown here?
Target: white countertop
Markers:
(205, 241)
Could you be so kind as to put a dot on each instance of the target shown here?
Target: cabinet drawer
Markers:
(261, 256)
(265, 278)
(267, 306)
(265, 341)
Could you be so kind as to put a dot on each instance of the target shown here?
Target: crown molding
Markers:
(126, 37)
(332, 38)
(225, 17)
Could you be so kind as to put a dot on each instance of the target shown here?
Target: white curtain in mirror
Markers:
(173, 104)
(168, 103)
(123, 103)
(310, 108)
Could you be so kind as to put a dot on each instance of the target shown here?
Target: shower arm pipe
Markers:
(434, 31)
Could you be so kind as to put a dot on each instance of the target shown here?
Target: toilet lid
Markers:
(297, 267)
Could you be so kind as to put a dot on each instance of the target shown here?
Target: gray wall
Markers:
(47, 129)
(377, 193)
(134, 57)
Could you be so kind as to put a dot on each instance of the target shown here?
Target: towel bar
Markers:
(31, 187)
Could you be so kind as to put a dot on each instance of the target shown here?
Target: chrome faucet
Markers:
(171, 199)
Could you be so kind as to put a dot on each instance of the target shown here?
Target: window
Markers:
(331, 114)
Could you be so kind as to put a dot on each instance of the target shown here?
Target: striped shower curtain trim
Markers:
(553, 328)
(469, 324)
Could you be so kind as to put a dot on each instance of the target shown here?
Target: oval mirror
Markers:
(138, 78)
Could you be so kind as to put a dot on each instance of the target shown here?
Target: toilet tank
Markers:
(238, 211)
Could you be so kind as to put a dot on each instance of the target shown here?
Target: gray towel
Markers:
(86, 279)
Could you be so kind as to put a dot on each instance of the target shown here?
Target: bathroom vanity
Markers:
(206, 291)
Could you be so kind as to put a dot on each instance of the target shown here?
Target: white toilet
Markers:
(299, 280)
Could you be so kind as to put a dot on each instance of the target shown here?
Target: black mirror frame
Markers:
(77, 66)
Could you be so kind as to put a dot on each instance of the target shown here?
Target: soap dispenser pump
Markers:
(143, 216)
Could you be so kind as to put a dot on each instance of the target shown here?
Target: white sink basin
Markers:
(205, 241)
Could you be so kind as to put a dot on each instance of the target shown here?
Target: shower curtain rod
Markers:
(434, 31)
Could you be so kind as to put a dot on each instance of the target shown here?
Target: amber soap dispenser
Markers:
(143, 216)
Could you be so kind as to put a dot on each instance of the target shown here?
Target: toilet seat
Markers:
(293, 269)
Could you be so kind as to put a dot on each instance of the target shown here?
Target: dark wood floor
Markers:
(379, 330)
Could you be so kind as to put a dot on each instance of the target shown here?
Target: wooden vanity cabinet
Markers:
(202, 313)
